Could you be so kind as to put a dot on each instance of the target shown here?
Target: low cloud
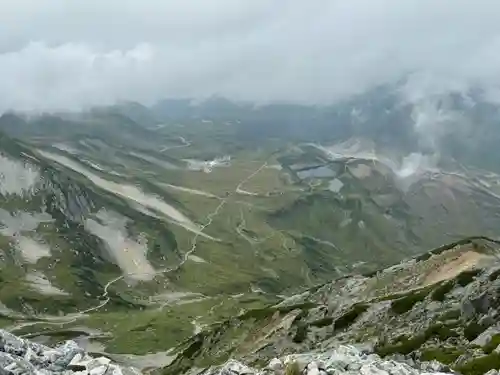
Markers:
(56, 54)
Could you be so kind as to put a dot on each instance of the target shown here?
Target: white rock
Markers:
(76, 360)
(99, 370)
(275, 364)
(115, 370)
(312, 365)
(103, 360)
(51, 355)
(29, 355)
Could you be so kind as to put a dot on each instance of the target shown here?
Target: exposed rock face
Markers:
(18, 356)
(343, 360)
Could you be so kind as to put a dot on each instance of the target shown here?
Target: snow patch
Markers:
(129, 255)
(17, 177)
(40, 283)
(130, 192)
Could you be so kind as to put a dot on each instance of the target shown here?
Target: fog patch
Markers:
(413, 167)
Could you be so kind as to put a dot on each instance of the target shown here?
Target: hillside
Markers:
(441, 306)
(195, 231)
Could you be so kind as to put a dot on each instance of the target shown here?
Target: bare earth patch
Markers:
(454, 267)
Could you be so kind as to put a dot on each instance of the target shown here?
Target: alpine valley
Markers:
(176, 237)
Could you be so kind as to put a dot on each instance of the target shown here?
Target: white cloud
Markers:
(60, 54)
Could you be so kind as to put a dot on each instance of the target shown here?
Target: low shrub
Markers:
(480, 365)
(439, 293)
(464, 278)
(406, 303)
(492, 345)
(472, 330)
(350, 316)
(407, 345)
(441, 354)
(300, 333)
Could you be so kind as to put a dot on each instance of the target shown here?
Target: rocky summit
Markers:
(18, 356)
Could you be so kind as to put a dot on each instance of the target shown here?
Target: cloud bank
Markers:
(57, 54)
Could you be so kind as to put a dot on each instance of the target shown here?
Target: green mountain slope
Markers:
(166, 226)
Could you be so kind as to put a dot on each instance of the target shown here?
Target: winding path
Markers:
(194, 242)
(70, 318)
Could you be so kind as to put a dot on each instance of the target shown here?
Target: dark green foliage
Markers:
(301, 333)
(405, 346)
(406, 303)
(481, 365)
(442, 290)
(350, 316)
(466, 277)
(322, 322)
(305, 306)
(408, 345)
(266, 312)
(450, 315)
(473, 330)
(492, 345)
(494, 275)
(441, 354)
(441, 331)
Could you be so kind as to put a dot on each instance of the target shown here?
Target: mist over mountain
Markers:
(315, 53)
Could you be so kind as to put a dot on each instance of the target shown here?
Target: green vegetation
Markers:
(493, 344)
(350, 316)
(300, 333)
(323, 322)
(473, 329)
(494, 275)
(407, 345)
(450, 315)
(444, 355)
(481, 365)
(466, 277)
(439, 294)
(406, 303)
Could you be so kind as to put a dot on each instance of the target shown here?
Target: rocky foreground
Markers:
(343, 360)
(19, 356)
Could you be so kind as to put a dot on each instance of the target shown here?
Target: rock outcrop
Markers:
(19, 357)
(344, 360)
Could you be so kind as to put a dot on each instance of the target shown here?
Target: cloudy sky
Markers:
(60, 54)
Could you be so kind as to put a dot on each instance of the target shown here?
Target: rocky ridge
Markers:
(343, 360)
(442, 306)
(19, 356)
